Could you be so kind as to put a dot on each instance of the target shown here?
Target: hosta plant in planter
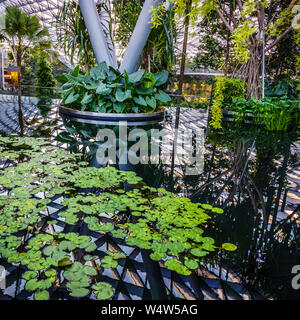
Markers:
(112, 94)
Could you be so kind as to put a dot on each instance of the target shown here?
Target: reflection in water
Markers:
(245, 173)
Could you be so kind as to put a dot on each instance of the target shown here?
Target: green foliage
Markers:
(225, 90)
(275, 113)
(180, 11)
(241, 37)
(105, 89)
(45, 86)
(283, 87)
(45, 78)
(20, 30)
(170, 227)
(72, 35)
(158, 53)
(103, 290)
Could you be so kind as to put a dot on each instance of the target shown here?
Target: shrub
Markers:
(225, 90)
(105, 89)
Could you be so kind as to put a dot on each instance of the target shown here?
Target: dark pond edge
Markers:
(229, 116)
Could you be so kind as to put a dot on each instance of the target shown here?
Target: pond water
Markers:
(251, 173)
(254, 175)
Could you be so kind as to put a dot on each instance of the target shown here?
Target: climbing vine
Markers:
(225, 90)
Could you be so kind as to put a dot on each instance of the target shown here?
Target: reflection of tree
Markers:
(234, 178)
(250, 190)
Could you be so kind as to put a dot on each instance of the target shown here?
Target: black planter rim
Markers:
(112, 118)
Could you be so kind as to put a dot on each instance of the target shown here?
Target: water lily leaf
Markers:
(198, 252)
(64, 262)
(90, 271)
(118, 233)
(229, 247)
(157, 256)
(91, 247)
(79, 292)
(50, 273)
(191, 264)
(31, 285)
(29, 275)
(103, 290)
(174, 265)
(41, 295)
(217, 210)
(107, 227)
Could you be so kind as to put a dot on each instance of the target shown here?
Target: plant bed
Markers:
(275, 114)
(106, 95)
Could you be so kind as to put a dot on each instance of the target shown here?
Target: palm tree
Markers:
(24, 34)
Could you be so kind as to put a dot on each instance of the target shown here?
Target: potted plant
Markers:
(105, 94)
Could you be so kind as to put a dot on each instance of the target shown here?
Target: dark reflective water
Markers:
(251, 173)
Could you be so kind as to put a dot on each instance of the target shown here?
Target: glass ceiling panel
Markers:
(47, 10)
(44, 9)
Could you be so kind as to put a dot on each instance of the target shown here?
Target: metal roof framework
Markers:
(45, 10)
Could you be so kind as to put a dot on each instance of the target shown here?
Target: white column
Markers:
(95, 30)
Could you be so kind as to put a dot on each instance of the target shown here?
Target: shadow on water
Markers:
(245, 172)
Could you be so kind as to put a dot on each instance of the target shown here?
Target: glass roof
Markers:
(47, 10)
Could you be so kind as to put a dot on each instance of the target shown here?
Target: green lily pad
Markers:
(41, 295)
(229, 247)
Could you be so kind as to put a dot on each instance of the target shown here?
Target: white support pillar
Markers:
(95, 30)
(139, 37)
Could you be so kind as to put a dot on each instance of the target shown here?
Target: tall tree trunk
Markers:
(20, 113)
(252, 72)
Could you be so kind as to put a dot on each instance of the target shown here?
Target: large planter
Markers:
(112, 118)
